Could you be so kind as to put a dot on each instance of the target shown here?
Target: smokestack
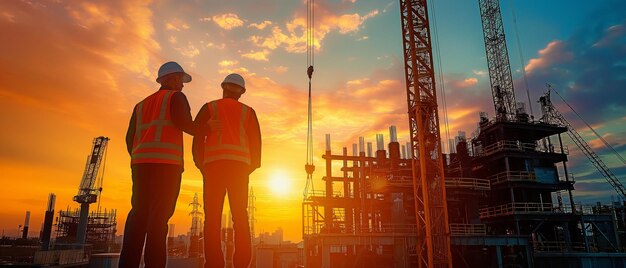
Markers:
(393, 134)
(381, 155)
(380, 142)
(403, 151)
(361, 146)
(26, 223)
(369, 149)
(394, 147)
(355, 152)
(47, 222)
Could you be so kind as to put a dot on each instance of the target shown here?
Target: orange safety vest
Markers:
(232, 142)
(156, 140)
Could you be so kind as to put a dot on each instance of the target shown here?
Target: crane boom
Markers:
(551, 115)
(88, 187)
(431, 211)
(498, 60)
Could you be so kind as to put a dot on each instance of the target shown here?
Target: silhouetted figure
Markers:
(226, 159)
(155, 143)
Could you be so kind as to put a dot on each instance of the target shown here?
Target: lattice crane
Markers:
(90, 185)
(551, 115)
(431, 211)
(498, 60)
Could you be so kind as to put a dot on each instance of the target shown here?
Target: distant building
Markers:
(274, 238)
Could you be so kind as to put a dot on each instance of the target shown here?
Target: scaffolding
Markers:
(502, 208)
(366, 214)
(101, 229)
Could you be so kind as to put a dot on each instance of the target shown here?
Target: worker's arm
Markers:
(130, 133)
(254, 140)
(181, 116)
(197, 147)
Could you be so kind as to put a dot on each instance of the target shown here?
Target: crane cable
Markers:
(101, 179)
(441, 81)
(310, 51)
(589, 126)
(522, 60)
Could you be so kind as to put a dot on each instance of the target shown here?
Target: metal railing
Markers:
(457, 229)
(469, 183)
(516, 208)
(341, 228)
(512, 176)
(518, 146)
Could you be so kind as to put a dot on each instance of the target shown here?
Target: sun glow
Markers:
(279, 183)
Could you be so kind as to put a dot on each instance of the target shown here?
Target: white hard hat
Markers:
(235, 79)
(170, 68)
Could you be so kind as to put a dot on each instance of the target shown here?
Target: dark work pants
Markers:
(221, 177)
(155, 190)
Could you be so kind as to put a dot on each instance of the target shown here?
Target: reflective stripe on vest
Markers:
(232, 142)
(157, 140)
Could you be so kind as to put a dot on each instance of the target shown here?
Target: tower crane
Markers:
(433, 249)
(498, 60)
(90, 185)
(551, 115)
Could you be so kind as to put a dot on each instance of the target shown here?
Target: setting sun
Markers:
(279, 183)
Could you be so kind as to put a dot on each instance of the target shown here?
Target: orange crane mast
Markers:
(429, 190)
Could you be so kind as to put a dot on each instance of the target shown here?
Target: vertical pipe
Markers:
(361, 145)
(393, 134)
(380, 142)
(329, 184)
(346, 182)
(328, 142)
(369, 149)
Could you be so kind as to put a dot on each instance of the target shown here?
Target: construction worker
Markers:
(226, 159)
(154, 141)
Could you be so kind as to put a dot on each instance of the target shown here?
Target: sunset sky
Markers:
(73, 70)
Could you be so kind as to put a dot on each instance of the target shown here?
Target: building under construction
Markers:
(504, 205)
(496, 200)
(101, 229)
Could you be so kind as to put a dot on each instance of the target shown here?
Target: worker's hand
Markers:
(214, 125)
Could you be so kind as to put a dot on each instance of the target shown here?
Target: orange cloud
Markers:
(74, 73)
(258, 55)
(293, 37)
(261, 25)
(228, 21)
(227, 63)
(554, 52)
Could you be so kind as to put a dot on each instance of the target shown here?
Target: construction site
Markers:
(500, 198)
